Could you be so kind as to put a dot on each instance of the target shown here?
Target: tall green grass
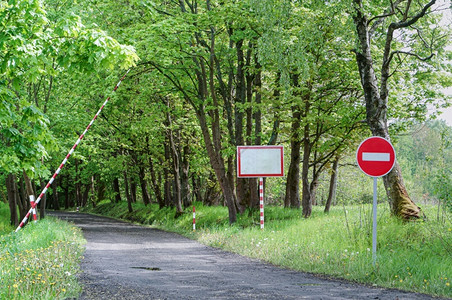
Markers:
(40, 261)
(413, 256)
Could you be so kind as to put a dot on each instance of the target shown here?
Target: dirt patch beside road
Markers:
(126, 261)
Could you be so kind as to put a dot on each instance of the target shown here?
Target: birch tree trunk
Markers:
(376, 92)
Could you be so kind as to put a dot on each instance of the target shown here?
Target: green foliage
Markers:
(426, 157)
(38, 42)
(24, 141)
(4, 219)
(420, 68)
(41, 261)
(442, 187)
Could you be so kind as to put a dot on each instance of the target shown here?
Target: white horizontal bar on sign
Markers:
(376, 156)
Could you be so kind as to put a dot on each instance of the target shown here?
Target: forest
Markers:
(204, 77)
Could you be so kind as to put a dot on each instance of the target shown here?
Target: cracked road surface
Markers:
(126, 261)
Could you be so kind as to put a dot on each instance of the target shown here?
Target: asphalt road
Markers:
(126, 261)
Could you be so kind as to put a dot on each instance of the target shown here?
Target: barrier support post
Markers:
(194, 218)
(33, 208)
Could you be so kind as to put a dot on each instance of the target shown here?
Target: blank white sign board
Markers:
(260, 161)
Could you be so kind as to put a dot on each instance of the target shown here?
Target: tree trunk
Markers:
(217, 164)
(93, 189)
(156, 184)
(185, 167)
(11, 190)
(292, 198)
(333, 186)
(133, 189)
(129, 197)
(242, 188)
(144, 190)
(85, 195)
(251, 80)
(175, 155)
(116, 190)
(376, 103)
(167, 184)
(211, 134)
(100, 189)
(400, 202)
(22, 199)
(78, 192)
(56, 200)
(257, 116)
(66, 193)
(306, 197)
(43, 202)
(313, 190)
(196, 185)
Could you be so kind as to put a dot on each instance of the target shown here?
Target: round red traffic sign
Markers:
(375, 156)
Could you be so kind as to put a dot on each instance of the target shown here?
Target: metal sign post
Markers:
(374, 224)
(376, 158)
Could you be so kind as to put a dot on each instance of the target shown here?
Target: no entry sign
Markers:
(375, 156)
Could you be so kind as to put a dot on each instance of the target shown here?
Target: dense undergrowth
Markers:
(414, 256)
(40, 261)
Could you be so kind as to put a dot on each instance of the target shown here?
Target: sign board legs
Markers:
(261, 200)
(374, 224)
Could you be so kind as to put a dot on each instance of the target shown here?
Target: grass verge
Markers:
(413, 256)
(40, 261)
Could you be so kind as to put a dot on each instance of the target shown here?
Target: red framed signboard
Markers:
(375, 156)
(260, 161)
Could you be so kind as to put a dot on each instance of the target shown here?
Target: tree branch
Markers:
(407, 23)
(411, 54)
(390, 11)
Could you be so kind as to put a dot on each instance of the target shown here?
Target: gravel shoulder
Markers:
(126, 261)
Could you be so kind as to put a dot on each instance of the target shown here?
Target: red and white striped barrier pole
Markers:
(33, 208)
(261, 200)
(194, 218)
(67, 157)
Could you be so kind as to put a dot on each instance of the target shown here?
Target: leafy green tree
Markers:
(425, 154)
(35, 46)
(379, 49)
(307, 44)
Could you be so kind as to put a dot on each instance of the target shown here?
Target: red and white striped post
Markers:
(33, 208)
(261, 200)
(194, 218)
(22, 224)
